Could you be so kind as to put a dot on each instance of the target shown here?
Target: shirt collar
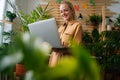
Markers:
(71, 22)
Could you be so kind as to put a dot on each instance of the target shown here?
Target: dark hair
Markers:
(70, 5)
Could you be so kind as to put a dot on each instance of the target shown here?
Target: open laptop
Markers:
(46, 30)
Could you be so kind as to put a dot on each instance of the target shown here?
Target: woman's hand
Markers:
(64, 51)
(60, 49)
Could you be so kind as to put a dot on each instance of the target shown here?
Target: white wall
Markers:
(34, 3)
(115, 8)
(22, 4)
(28, 5)
(2, 4)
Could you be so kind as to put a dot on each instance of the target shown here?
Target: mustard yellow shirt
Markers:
(70, 30)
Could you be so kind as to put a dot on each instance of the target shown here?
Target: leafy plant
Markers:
(117, 22)
(44, 13)
(26, 48)
(39, 13)
(105, 47)
(112, 40)
(93, 42)
(58, 1)
(10, 15)
(95, 19)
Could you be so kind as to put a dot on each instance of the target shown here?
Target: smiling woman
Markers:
(70, 30)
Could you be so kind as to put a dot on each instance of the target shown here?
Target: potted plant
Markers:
(107, 51)
(117, 22)
(10, 15)
(95, 19)
(93, 43)
(34, 57)
(39, 13)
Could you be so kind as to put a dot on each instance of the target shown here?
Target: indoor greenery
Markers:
(58, 1)
(105, 43)
(105, 46)
(34, 54)
(93, 42)
(10, 15)
(95, 19)
(26, 48)
(117, 22)
(39, 13)
(91, 2)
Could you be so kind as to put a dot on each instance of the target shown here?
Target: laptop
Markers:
(46, 30)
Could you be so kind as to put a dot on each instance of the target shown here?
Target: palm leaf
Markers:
(46, 7)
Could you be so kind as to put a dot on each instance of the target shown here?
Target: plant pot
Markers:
(20, 70)
(117, 77)
(94, 24)
(108, 75)
(11, 19)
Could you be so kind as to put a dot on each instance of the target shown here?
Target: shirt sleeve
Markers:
(78, 34)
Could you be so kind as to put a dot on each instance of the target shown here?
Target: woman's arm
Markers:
(78, 34)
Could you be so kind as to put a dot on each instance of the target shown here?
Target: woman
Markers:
(71, 29)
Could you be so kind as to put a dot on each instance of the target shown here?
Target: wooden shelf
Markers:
(6, 21)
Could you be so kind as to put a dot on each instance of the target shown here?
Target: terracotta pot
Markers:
(108, 76)
(94, 24)
(117, 77)
(20, 70)
(11, 19)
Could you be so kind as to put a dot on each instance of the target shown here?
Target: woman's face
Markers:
(65, 12)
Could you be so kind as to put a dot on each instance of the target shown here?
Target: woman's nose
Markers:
(62, 13)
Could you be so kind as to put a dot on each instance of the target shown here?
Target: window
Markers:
(2, 10)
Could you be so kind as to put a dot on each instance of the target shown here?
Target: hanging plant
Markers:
(92, 3)
(10, 15)
(59, 1)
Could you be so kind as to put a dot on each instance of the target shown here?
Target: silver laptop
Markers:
(46, 30)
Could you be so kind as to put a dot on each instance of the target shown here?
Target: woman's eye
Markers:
(66, 10)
